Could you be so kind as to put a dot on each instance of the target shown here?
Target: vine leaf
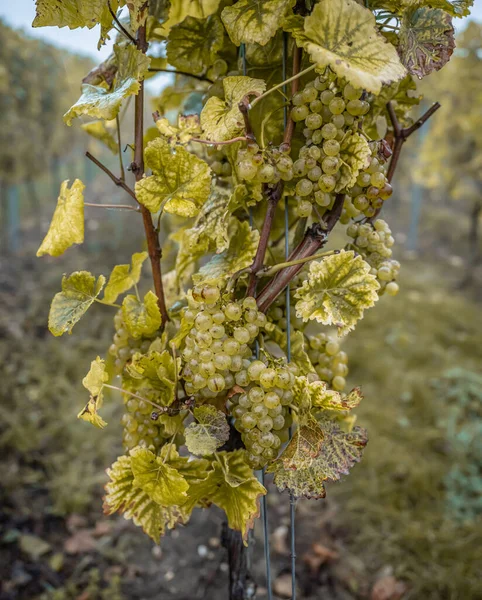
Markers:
(355, 154)
(181, 9)
(95, 378)
(304, 446)
(161, 482)
(138, 10)
(158, 371)
(221, 119)
(232, 486)
(123, 277)
(339, 452)
(209, 232)
(94, 382)
(67, 225)
(102, 103)
(72, 13)
(426, 40)
(100, 131)
(141, 318)
(239, 255)
(123, 496)
(79, 291)
(180, 183)
(343, 35)
(193, 45)
(322, 397)
(337, 291)
(209, 433)
(254, 21)
(456, 8)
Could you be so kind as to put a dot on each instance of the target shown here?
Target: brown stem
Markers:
(119, 24)
(273, 194)
(402, 134)
(114, 178)
(314, 239)
(244, 110)
(152, 236)
(176, 72)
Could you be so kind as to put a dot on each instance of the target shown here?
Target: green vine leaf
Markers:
(100, 131)
(337, 291)
(343, 35)
(141, 318)
(221, 119)
(327, 399)
(123, 277)
(180, 183)
(339, 453)
(193, 45)
(102, 103)
(239, 255)
(161, 482)
(232, 486)
(79, 291)
(426, 40)
(355, 154)
(209, 432)
(67, 225)
(254, 21)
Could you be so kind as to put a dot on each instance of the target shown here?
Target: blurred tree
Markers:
(451, 156)
(31, 103)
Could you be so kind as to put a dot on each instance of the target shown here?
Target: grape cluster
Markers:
(328, 107)
(139, 429)
(268, 166)
(374, 242)
(370, 191)
(124, 346)
(216, 351)
(261, 412)
(218, 162)
(329, 361)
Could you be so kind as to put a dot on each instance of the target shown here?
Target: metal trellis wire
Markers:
(261, 474)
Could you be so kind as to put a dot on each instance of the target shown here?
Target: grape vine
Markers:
(214, 363)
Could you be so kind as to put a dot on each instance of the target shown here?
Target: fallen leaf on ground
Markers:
(319, 555)
(81, 541)
(388, 588)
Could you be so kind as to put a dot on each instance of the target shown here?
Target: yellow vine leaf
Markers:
(100, 131)
(254, 21)
(72, 13)
(208, 433)
(337, 291)
(102, 103)
(239, 255)
(79, 291)
(180, 183)
(141, 318)
(67, 225)
(123, 277)
(161, 482)
(339, 451)
(355, 155)
(221, 119)
(343, 35)
(232, 486)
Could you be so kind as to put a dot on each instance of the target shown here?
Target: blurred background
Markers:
(405, 524)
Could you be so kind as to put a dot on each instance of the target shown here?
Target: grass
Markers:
(396, 500)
